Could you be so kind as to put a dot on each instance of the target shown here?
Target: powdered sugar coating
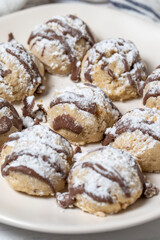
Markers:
(30, 99)
(81, 113)
(59, 30)
(89, 94)
(114, 161)
(155, 75)
(19, 67)
(120, 54)
(62, 39)
(9, 118)
(6, 112)
(36, 143)
(42, 42)
(75, 23)
(152, 85)
(154, 88)
(28, 122)
(144, 120)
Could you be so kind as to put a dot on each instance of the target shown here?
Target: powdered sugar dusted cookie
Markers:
(138, 132)
(82, 113)
(61, 43)
(20, 72)
(36, 161)
(9, 120)
(151, 92)
(116, 67)
(103, 181)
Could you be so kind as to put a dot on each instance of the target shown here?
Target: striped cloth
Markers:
(148, 9)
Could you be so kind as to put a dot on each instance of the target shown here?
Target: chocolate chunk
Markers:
(150, 190)
(77, 150)
(10, 37)
(64, 200)
(65, 121)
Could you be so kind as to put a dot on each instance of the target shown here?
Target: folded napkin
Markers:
(149, 9)
(145, 8)
(7, 6)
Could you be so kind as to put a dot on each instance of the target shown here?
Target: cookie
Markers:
(103, 181)
(116, 67)
(20, 72)
(138, 132)
(36, 161)
(10, 121)
(151, 91)
(82, 113)
(61, 43)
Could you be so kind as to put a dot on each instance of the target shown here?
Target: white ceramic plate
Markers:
(42, 214)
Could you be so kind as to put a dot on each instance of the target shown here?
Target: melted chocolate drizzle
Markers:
(81, 189)
(68, 29)
(111, 73)
(88, 75)
(68, 198)
(14, 138)
(30, 172)
(127, 126)
(50, 35)
(65, 121)
(4, 73)
(15, 155)
(5, 122)
(18, 51)
(113, 176)
(27, 107)
(151, 78)
(150, 94)
(76, 99)
(91, 40)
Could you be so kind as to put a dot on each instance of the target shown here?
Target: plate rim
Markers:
(107, 8)
(75, 230)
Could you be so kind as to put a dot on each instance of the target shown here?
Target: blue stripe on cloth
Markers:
(144, 7)
(124, 6)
